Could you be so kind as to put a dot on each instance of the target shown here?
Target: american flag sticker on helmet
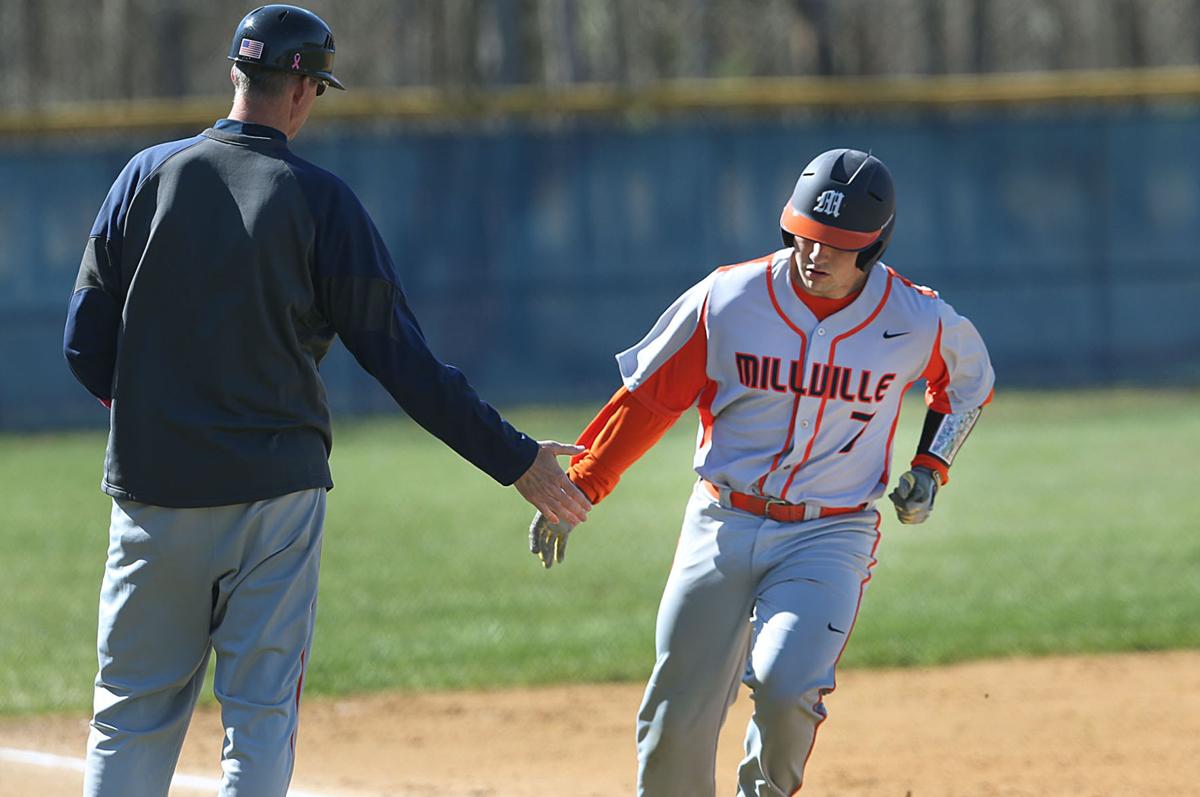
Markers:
(251, 49)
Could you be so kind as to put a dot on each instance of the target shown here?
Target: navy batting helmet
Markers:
(286, 38)
(844, 199)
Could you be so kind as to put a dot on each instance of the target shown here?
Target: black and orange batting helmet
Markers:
(845, 199)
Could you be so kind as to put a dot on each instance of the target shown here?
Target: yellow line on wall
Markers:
(742, 94)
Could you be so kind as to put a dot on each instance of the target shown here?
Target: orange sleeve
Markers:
(633, 421)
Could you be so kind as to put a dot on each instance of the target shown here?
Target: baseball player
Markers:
(797, 363)
(217, 273)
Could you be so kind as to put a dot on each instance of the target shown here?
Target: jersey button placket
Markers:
(809, 406)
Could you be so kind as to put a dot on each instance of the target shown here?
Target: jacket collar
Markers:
(238, 128)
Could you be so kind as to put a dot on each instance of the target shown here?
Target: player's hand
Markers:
(548, 541)
(914, 495)
(549, 490)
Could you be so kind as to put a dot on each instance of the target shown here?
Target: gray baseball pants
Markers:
(769, 603)
(240, 580)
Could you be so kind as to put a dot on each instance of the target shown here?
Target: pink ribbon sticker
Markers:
(296, 61)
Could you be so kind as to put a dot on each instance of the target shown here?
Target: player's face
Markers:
(826, 272)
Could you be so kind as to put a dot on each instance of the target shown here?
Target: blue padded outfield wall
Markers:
(532, 255)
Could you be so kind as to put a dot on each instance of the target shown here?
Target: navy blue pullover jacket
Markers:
(216, 275)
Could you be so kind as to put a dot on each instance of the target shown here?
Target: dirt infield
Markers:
(1055, 727)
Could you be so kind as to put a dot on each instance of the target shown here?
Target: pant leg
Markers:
(262, 634)
(806, 607)
(152, 646)
(701, 637)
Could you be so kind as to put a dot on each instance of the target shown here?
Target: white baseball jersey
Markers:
(805, 410)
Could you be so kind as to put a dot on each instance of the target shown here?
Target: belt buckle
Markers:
(775, 502)
(784, 517)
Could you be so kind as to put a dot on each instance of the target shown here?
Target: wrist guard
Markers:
(943, 435)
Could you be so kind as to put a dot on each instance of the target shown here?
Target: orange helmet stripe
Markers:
(799, 224)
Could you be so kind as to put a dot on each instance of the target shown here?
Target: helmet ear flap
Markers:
(869, 256)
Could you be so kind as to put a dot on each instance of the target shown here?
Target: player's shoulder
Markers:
(734, 287)
(909, 290)
(916, 302)
(747, 271)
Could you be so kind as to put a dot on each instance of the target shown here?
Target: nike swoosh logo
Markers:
(887, 335)
(834, 630)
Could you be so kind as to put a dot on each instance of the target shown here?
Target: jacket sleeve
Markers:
(360, 295)
(94, 312)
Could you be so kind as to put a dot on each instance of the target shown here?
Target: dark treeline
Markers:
(62, 50)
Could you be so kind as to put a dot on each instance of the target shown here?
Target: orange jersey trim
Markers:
(937, 378)
(922, 289)
(887, 292)
(821, 308)
(778, 309)
(756, 261)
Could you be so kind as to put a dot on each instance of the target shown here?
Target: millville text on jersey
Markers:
(824, 380)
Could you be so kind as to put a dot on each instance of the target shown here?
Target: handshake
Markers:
(561, 506)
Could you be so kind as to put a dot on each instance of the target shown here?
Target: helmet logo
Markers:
(296, 61)
(830, 203)
(251, 49)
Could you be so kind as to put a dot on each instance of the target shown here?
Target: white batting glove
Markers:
(914, 494)
(548, 541)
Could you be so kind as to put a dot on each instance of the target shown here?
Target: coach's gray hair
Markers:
(254, 81)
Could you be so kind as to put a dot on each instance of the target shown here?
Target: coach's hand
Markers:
(914, 495)
(548, 541)
(549, 490)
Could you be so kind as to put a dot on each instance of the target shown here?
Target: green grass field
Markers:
(1070, 525)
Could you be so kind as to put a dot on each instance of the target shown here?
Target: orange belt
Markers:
(774, 508)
